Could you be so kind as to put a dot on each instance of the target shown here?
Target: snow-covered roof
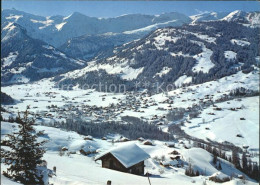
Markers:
(127, 154)
(171, 163)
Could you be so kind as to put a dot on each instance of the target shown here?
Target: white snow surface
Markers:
(164, 71)
(123, 69)
(254, 19)
(149, 28)
(240, 42)
(230, 16)
(46, 23)
(48, 47)
(14, 17)
(230, 55)
(10, 26)
(6, 181)
(183, 80)
(226, 124)
(204, 37)
(204, 63)
(7, 61)
(162, 38)
(59, 26)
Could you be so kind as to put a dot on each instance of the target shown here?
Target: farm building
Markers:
(127, 158)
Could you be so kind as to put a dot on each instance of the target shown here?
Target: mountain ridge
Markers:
(24, 59)
(78, 24)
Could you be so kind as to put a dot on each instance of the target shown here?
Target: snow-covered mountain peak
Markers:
(208, 16)
(235, 15)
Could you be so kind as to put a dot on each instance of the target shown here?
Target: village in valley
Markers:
(195, 108)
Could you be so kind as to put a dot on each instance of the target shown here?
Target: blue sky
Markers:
(116, 8)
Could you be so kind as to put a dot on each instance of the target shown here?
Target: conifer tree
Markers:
(244, 162)
(235, 159)
(215, 157)
(255, 172)
(250, 167)
(25, 153)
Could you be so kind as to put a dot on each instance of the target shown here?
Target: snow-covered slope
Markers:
(250, 19)
(226, 124)
(24, 59)
(209, 16)
(235, 16)
(91, 172)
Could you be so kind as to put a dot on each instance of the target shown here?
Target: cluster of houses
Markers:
(133, 101)
(139, 102)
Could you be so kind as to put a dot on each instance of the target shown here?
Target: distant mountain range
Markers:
(56, 30)
(36, 47)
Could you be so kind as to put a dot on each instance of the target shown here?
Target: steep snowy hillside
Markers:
(194, 53)
(69, 162)
(235, 118)
(235, 16)
(24, 59)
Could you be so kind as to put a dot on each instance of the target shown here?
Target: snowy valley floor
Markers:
(223, 125)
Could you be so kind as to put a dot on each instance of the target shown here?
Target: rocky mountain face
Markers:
(24, 59)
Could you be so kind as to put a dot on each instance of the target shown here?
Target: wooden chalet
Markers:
(127, 158)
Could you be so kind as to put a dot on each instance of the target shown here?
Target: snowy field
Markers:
(225, 125)
(40, 95)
